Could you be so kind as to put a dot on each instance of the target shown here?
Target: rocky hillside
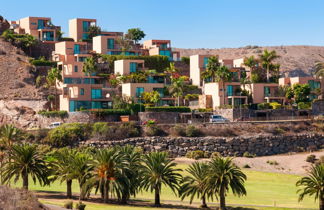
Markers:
(17, 75)
(294, 60)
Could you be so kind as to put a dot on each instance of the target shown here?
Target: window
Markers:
(160, 91)
(314, 84)
(165, 53)
(40, 24)
(139, 91)
(111, 44)
(48, 36)
(85, 26)
(82, 59)
(205, 62)
(229, 90)
(267, 91)
(164, 46)
(132, 67)
(96, 93)
(75, 68)
(95, 105)
(76, 49)
(85, 36)
(82, 91)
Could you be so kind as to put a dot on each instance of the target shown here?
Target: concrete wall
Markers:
(318, 107)
(76, 29)
(234, 146)
(160, 117)
(122, 67)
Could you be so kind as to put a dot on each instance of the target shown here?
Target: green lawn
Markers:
(268, 189)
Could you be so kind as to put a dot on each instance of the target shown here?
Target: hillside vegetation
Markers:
(294, 60)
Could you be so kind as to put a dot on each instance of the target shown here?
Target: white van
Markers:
(54, 125)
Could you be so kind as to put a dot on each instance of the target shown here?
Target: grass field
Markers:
(263, 189)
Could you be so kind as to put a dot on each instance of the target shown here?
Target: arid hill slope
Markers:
(17, 75)
(294, 60)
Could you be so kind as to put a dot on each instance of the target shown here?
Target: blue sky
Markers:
(191, 23)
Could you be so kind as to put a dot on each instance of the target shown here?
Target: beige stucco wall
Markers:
(122, 67)
(76, 29)
(238, 62)
(129, 89)
(257, 90)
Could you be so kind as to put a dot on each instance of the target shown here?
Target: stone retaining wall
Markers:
(259, 145)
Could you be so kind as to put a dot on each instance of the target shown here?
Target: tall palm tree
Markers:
(158, 169)
(251, 62)
(53, 75)
(222, 175)
(212, 67)
(223, 75)
(107, 166)
(63, 167)
(266, 59)
(319, 73)
(26, 161)
(90, 66)
(177, 87)
(196, 183)
(313, 184)
(132, 158)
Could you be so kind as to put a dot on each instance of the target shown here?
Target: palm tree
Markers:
(212, 67)
(132, 158)
(9, 134)
(251, 62)
(107, 166)
(223, 75)
(26, 161)
(195, 184)
(62, 167)
(266, 59)
(158, 169)
(90, 66)
(222, 175)
(319, 73)
(53, 75)
(177, 87)
(313, 184)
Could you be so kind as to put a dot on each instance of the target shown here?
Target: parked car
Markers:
(54, 125)
(218, 119)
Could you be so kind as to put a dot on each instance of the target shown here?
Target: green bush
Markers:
(178, 130)
(275, 105)
(67, 134)
(205, 110)
(311, 158)
(197, 154)
(304, 105)
(104, 131)
(248, 155)
(264, 106)
(168, 109)
(106, 112)
(100, 130)
(153, 130)
(215, 154)
(80, 206)
(42, 62)
(68, 205)
(157, 62)
(192, 131)
(61, 114)
(272, 162)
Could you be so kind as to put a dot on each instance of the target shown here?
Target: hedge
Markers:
(106, 112)
(168, 109)
(61, 114)
(304, 105)
(41, 62)
(157, 62)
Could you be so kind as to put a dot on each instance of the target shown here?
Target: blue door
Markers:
(72, 106)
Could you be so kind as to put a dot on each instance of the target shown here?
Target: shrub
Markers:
(248, 155)
(311, 158)
(61, 114)
(272, 162)
(186, 60)
(264, 106)
(197, 154)
(168, 109)
(304, 105)
(321, 159)
(215, 154)
(129, 129)
(153, 130)
(68, 205)
(205, 110)
(80, 206)
(106, 112)
(178, 130)
(275, 105)
(104, 131)
(100, 130)
(42, 62)
(246, 166)
(192, 131)
(67, 134)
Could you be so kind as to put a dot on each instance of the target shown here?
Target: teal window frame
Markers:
(40, 24)
(229, 90)
(110, 44)
(132, 67)
(205, 62)
(76, 49)
(76, 68)
(81, 91)
(267, 92)
(96, 93)
(139, 91)
(85, 26)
